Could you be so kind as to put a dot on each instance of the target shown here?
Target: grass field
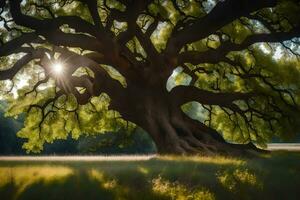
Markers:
(275, 176)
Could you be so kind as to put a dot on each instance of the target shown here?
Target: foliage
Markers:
(121, 142)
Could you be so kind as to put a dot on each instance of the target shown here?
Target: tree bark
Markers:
(173, 132)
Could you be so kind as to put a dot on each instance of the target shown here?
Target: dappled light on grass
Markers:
(105, 183)
(239, 181)
(143, 170)
(24, 176)
(175, 190)
(276, 176)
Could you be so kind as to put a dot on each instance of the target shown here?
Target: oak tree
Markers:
(199, 76)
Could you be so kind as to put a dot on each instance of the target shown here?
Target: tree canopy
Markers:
(198, 76)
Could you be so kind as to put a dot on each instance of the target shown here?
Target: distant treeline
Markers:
(9, 142)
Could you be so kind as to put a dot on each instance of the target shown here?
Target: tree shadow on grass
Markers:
(7, 191)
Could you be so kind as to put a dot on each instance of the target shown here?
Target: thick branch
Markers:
(218, 55)
(11, 72)
(83, 41)
(49, 24)
(185, 94)
(15, 44)
(223, 13)
(93, 8)
(102, 82)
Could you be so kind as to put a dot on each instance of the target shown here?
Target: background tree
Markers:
(91, 66)
(9, 143)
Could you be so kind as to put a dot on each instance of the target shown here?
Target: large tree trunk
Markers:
(174, 132)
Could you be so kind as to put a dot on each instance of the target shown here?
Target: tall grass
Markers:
(276, 176)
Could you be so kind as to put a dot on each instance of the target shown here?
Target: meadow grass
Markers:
(274, 176)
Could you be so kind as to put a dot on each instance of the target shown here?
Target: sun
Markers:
(58, 68)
